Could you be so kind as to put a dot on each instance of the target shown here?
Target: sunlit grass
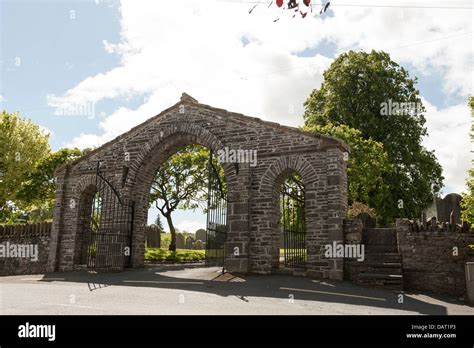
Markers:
(180, 255)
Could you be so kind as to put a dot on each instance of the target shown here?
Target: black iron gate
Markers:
(293, 223)
(216, 231)
(107, 233)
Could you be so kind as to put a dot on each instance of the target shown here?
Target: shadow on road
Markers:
(195, 277)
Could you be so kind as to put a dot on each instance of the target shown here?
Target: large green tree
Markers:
(365, 91)
(181, 183)
(467, 202)
(366, 164)
(22, 145)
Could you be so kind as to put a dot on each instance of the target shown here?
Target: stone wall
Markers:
(430, 261)
(16, 255)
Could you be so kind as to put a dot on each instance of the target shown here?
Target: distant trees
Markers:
(27, 167)
(159, 224)
(22, 144)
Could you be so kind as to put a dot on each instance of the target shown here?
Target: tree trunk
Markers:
(172, 246)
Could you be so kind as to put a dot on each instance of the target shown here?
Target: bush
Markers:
(180, 255)
(357, 208)
(165, 240)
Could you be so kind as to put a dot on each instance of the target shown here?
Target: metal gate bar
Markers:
(293, 223)
(216, 231)
(108, 227)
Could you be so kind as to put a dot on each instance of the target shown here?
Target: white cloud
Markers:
(448, 131)
(86, 141)
(196, 47)
(190, 225)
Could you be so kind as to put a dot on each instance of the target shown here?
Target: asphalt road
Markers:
(193, 289)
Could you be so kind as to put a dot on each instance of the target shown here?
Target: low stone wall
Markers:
(24, 249)
(434, 261)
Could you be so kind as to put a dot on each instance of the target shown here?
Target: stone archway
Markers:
(130, 160)
(146, 167)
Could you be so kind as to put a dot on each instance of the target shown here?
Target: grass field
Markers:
(185, 255)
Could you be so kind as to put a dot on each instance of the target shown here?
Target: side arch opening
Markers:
(104, 227)
(88, 221)
(291, 222)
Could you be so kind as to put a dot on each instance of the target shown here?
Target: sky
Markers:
(87, 70)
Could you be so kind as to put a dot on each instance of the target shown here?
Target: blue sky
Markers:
(56, 52)
(132, 61)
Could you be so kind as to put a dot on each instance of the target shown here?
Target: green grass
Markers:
(298, 255)
(302, 251)
(180, 255)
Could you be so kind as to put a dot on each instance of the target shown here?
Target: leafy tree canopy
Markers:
(367, 163)
(181, 183)
(22, 145)
(374, 95)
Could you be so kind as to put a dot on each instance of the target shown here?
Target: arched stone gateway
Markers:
(129, 162)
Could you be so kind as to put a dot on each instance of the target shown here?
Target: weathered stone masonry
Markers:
(37, 235)
(402, 258)
(430, 262)
(131, 160)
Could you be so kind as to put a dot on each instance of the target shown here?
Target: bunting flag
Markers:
(295, 5)
(292, 4)
(253, 8)
(325, 8)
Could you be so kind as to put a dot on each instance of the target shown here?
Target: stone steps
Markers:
(380, 269)
(388, 281)
(377, 249)
(382, 266)
(383, 257)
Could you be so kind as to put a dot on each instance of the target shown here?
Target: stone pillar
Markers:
(58, 216)
(138, 231)
(402, 225)
(403, 228)
(336, 195)
(237, 245)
